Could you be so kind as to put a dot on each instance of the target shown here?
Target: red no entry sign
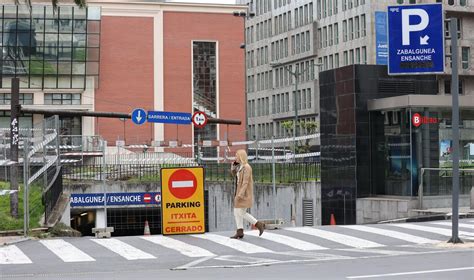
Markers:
(182, 184)
(147, 198)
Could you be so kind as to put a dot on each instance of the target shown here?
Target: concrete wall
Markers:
(288, 196)
(375, 209)
(221, 200)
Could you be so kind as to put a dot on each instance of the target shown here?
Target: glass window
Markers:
(446, 28)
(357, 27)
(346, 58)
(462, 2)
(336, 34)
(344, 31)
(465, 56)
(336, 60)
(318, 7)
(325, 37)
(364, 55)
(62, 98)
(351, 29)
(363, 27)
(335, 3)
(330, 35)
(357, 56)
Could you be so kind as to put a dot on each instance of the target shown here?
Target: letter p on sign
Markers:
(407, 27)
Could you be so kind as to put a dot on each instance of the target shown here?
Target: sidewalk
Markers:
(7, 240)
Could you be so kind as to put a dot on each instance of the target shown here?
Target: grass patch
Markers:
(36, 208)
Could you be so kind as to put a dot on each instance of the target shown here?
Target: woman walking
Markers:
(243, 199)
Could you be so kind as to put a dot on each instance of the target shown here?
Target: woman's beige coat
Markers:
(244, 191)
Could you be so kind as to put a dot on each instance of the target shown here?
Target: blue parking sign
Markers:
(416, 39)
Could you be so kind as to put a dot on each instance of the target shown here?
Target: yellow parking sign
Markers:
(182, 200)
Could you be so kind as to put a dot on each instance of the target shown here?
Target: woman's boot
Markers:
(261, 227)
(239, 234)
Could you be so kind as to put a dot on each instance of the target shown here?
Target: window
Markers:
(324, 9)
(296, 18)
(303, 43)
(325, 37)
(308, 41)
(446, 28)
(25, 98)
(311, 12)
(364, 55)
(344, 5)
(325, 63)
(298, 43)
(351, 56)
(336, 60)
(329, 8)
(351, 29)
(346, 58)
(363, 27)
(412, 1)
(465, 57)
(357, 58)
(308, 98)
(344, 31)
(336, 34)
(335, 3)
(306, 15)
(320, 38)
(462, 2)
(331, 61)
(330, 35)
(357, 27)
(62, 98)
(399, 1)
(447, 86)
(318, 7)
(289, 20)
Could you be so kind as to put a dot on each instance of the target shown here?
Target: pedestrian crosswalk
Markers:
(361, 238)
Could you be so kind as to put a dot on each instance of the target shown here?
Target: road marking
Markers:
(245, 259)
(123, 249)
(235, 244)
(449, 223)
(440, 231)
(377, 251)
(66, 251)
(12, 255)
(183, 248)
(288, 241)
(394, 234)
(337, 237)
(410, 273)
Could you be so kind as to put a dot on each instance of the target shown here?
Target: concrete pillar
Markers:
(472, 197)
(100, 218)
(66, 217)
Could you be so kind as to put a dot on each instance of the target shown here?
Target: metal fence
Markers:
(262, 172)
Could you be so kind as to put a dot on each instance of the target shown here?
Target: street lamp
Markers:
(245, 16)
(295, 74)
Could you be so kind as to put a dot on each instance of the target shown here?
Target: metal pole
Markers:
(453, 27)
(273, 181)
(25, 187)
(104, 147)
(57, 127)
(14, 139)
(45, 175)
(296, 116)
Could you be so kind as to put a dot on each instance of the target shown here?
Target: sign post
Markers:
(416, 39)
(182, 207)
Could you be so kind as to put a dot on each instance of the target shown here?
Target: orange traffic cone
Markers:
(147, 229)
(333, 220)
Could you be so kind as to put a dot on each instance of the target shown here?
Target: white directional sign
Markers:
(416, 39)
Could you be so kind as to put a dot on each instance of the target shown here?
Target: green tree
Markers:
(80, 3)
(310, 127)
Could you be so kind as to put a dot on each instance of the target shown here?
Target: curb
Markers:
(23, 239)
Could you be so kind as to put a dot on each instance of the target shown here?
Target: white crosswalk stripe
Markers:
(449, 223)
(337, 237)
(238, 245)
(123, 249)
(440, 231)
(66, 251)
(288, 241)
(392, 233)
(12, 255)
(182, 247)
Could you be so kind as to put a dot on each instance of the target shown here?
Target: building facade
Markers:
(116, 56)
(311, 36)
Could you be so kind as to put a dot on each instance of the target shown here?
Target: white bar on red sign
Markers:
(182, 184)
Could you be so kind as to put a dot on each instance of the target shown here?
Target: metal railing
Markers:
(440, 183)
(52, 193)
(262, 172)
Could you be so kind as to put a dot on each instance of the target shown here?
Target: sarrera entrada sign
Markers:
(115, 199)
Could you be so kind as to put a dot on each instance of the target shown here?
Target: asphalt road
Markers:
(403, 251)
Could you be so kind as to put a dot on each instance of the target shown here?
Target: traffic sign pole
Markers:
(453, 27)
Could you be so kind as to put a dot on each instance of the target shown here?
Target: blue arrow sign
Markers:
(416, 39)
(138, 116)
(169, 117)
